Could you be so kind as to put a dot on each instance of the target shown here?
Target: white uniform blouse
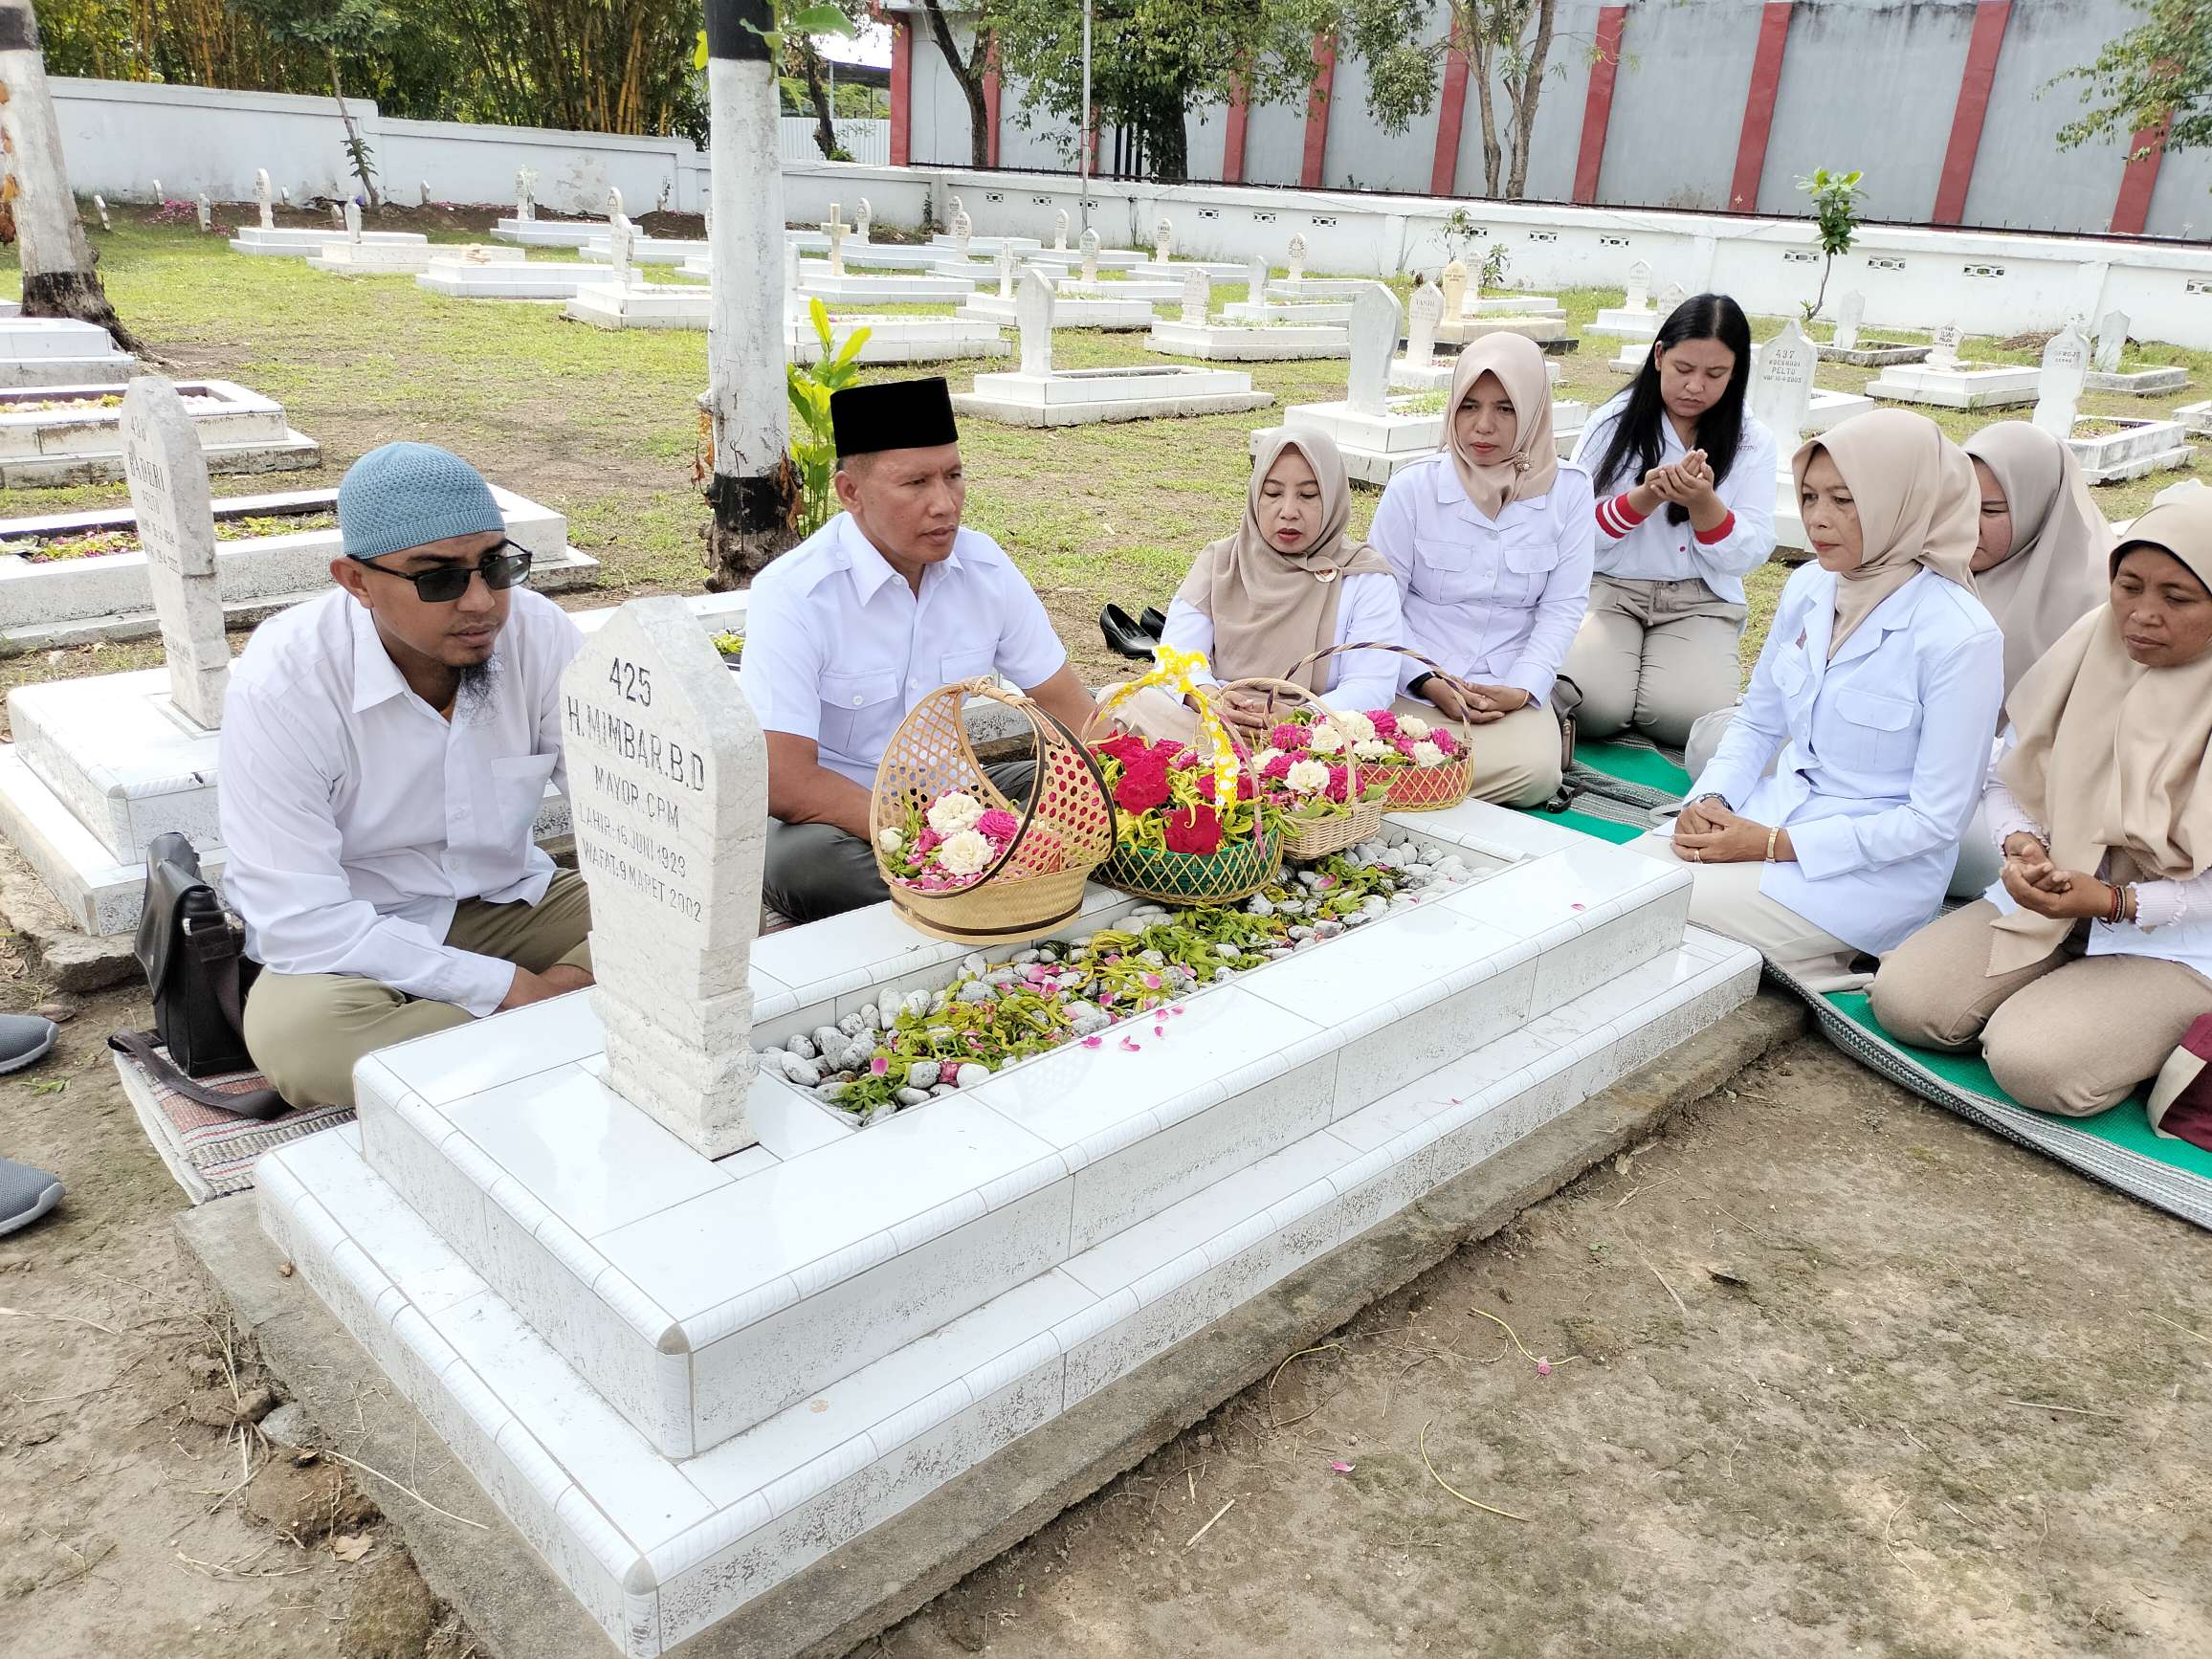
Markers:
(1358, 681)
(1882, 751)
(1654, 551)
(839, 649)
(1496, 600)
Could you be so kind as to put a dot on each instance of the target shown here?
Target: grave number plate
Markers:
(632, 683)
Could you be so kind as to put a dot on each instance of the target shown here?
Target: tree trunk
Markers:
(1470, 25)
(825, 120)
(355, 151)
(969, 72)
(1524, 98)
(58, 274)
(753, 487)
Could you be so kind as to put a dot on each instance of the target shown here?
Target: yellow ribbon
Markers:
(1179, 671)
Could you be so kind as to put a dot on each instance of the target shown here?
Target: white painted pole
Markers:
(1083, 138)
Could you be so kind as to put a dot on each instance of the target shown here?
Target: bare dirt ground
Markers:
(1830, 1372)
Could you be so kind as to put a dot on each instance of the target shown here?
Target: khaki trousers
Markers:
(2071, 1033)
(1516, 760)
(305, 1031)
(1726, 898)
(1654, 655)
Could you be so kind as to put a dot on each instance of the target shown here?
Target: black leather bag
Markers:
(193, 952)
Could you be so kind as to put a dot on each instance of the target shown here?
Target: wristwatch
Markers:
(1413, 686)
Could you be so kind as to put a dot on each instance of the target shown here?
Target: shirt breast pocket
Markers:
(1445, 570)
(853, 707)
(517, 792)
(1874, 731)
(1530, 556)
(959, 665)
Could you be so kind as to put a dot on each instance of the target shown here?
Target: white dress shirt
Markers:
(1358, 681)
(1658, 551)
(1881, 752)
(355, 816)
(1496, 600)
(839, 649)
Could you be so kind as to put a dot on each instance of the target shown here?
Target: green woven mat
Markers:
(1635, 760)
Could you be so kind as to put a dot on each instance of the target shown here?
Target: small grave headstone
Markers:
(1197, 296)
(337, 217)
(863, 220)
(836, 228)
(1257, 286)
(206, 209)
(1163, 239)
(284, 194)
(1851, 312)
(1374, 332)
(614, 204)
(2112, 341)
(167, 473)
(1782, 386)
(1033, 315)
(352, 220)
(262, 199)
(423, 192)
(1060, 231)
(1451, 285)
(795, 303)
(1424, 313)
(621, 238)
(1670, 297)
(1639, 298)
(668, 780)
(160, 200)
(99, 204)
(1008, 263)
(2065, 372)
(1943, 347)
(525, 194)
(1091, 255)
(1297, 258)
(963, 229)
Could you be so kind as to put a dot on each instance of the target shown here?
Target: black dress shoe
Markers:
(1123, 635)
(1153, 620)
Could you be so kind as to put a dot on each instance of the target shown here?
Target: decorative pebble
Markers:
(1259, 904)
(970, 1075)
(913, 1097)
(915, 1002)
(943, 1089)
(804, 1072)
(852, 1025)
(832, 1092)
(800, 1047)
(1301, 932)
(855, 1056)
(1024, 958)
(828, 1038)
(921, 1074)
(1327, 929)
(871, 1016)
(972, 964)
(978, 991)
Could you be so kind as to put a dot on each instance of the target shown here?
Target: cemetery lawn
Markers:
(603, 426)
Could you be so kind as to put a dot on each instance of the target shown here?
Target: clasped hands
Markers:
(1707, 832)
(2038, 885)
(1686, 483)
(1478, 705)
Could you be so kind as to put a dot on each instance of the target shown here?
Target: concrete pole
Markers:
(754, 489)
(1083, 138)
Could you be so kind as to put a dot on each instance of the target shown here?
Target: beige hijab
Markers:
(1519, 362)
(2058, 570)
(1269, 607)
(2110, 755)
(1917, 506)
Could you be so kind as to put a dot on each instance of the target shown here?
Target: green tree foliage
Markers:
(1508, 45)
(1836, 216)
(2159, 71)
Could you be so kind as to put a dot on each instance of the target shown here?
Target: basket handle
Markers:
(1466, 732)
(1278, 687)
(1179, 670)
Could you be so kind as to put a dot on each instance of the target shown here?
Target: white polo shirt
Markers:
(838, 648)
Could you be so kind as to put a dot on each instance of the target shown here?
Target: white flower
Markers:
(1261, 758)
(1355, 725)
(891, 840)
(966, 852)
(1413, 727)
(1426, 755)
(950, 814)
(1371, 749)
(1305, 777)
(1326, 741)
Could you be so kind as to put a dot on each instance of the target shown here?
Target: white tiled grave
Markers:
(45, 351)
(299, 242)
(1375, 447)
(2112, 448)
(102, 764)
(1316, 288)
(612, 304)
(107, 596)
(368, 258)
(1086, 396)
(644, 250)
(2160, 381)
(1271, 311)
(1959, 385)
(683, 1381)
(2196, 418)
(1873, 353)
(240, 431)
(903, 339)
(1114, 315)
(1176, 269)
(1257, 343)
(465, 274)
(1548, 332)
(548, 233)
(1072, 258)
(1115, 288)
(1513, 305)
(854, 288)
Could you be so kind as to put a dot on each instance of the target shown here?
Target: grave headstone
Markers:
(1782, 386)
(2112, 341)
(1197, 296)
(668, 780)
(352, 220)
(1033, 315)
(206, 209)
(160, 200)
(1851, 312)
(1257, 286)
(525, 194)
(284, 194)
(614, 204)
(1424, 312)
(423, 192)
(794, 304)
(262, 199)
(1452, 284)
(167, 473)
(1374, 331)
(337, 217)
(863, 220)
(1008, 262)
(621, 238)
(1639, 298)
(836, 228)
(1943, 347)
(2065, 372)
(1060, 231)
(99, 203)
(1163, 239)
(1670, 297)
(1091, 255)
(1297, 258)
(963, 229)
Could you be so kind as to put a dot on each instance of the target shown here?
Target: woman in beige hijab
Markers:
(1289, 582)
(2091, 954)
(1491, 540)
(1824, 828)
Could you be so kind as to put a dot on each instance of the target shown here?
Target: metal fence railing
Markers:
(865, 141)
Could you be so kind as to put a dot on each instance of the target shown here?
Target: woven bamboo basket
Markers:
(1415, 788)
(1318, 837)
(1237, 870)
(1067, 823)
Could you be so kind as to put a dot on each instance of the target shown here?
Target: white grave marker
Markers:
(2066, 372)
(1256, 287)
(621, 238)
(1299, 259)
(1008, 262)
(1670, 297)
(352, 220)
(1060, 231)
(337, 216)
(668, 779)
(263, 200)
(1033, 315)
(207, 211)
(423, 192)
(863, 221)
(167, 473)
(1782, 386)
(1851, 312)
(101, 204)
(1452, 284)
(525, 194)
(284, 194)
(1197, 296)
(1639, 287)
(795, 303)
(2112, 341)
(1424, 313)
(160, 200)
(1091, 255)
(1374, 331)
(1163, 239)
(836, 230)
(614, 204)
(963, 229)
(1943, 347)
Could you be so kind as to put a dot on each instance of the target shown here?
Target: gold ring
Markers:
(1698, 856)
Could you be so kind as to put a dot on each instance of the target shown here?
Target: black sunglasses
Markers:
(503, 567)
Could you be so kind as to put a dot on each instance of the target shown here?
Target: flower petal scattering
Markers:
(909, 1047)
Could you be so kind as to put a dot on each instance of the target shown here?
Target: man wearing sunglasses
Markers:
(385, 751)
